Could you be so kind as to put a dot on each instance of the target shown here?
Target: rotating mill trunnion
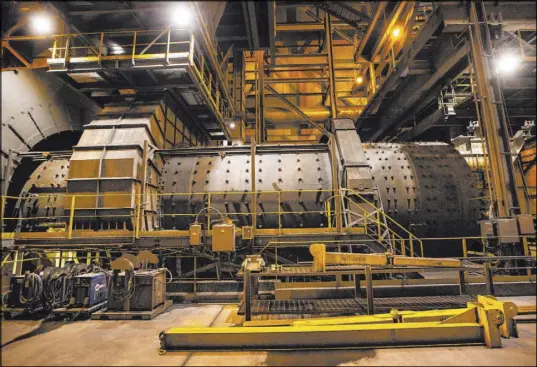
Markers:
(426, 187)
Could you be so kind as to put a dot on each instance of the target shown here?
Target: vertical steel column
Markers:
(357, 288)
(488, 279)
(254, 196)
(248, 295)
(330, 56)
(504, 188)
(369, 291)
(462, 282)
(260, 97)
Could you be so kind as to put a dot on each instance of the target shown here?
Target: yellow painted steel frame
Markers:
(321, 258)
(480, 322)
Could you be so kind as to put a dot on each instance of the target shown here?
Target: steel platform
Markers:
(354, 305)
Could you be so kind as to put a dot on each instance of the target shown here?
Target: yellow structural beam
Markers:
(480, 322)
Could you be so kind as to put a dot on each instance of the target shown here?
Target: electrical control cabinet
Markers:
(149, 291)
(526, 226)
(506, 230)
(195, 234)
(223, 237)
(89, 289)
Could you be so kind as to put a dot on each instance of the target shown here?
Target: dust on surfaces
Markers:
(317, 358)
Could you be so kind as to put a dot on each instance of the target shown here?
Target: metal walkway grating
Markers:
(354, 305)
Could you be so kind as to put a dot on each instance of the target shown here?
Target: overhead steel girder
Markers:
(310, 27)
(420, 91)
(344, 13)
(456, 16)
(407, 56)
(378, 11)
(430, 121)
(250, 20)
(271, 4)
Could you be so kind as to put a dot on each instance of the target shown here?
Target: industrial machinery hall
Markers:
(268, 183)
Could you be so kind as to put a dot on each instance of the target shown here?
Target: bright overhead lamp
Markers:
(507, 63)
(41, 23)
(232, 125)
(359, 80)
(396, 32)
(181, 16)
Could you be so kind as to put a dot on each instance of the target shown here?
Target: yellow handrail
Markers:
(385, 216)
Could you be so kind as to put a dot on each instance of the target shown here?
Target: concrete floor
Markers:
(123, 343)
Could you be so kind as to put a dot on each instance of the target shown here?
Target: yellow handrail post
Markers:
(421, 247)
(403, 249)
(133, 48)
(71, 217)
(54, 46)
(365, 220)
(3, 210)
(464, 248)
(329, 213)
(411, 246)
(378, 225)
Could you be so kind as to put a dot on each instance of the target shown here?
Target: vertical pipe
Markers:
(142, 197)
(335, 182)
(331, 72)
(464, 248)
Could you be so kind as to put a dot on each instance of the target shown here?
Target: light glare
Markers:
(232, 125)
(507, 63)
(41, 24)
(359, 80)
(181, 16)
(396, 32)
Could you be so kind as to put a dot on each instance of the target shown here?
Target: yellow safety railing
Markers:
(136, 45)
(381, 219)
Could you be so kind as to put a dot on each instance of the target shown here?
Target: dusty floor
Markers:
(119, 343)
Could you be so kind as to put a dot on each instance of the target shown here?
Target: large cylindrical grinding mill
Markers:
(427, 188)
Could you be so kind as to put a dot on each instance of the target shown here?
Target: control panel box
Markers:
(89, 289)
(525, 224)
(507, 230)
(223, 237)
(247, 232)
(195, 234)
